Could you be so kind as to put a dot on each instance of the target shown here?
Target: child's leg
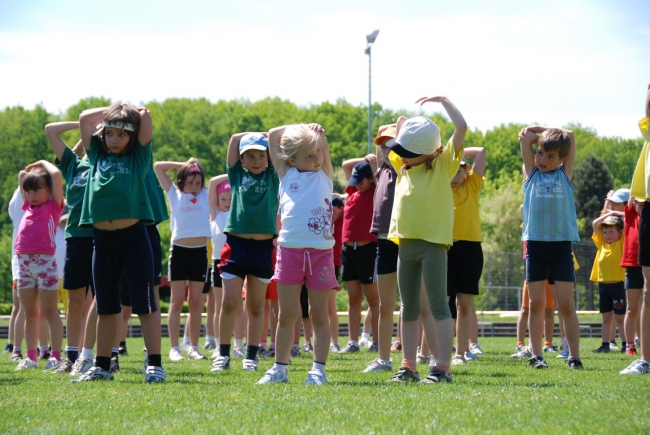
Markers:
(308, 328)
(409, 278)
(289, 302)
(473, 331)
(620, 321)
(466, 311)
(255, 311)
(218, 296)
(429, 326)
(14, 314)
(275, 312)
(175, 308)
(50, 311)
(75, 316)
(355, 298)
(386, 285)
(632, 313)
(231, 304)
(372, 296)
(297, 330)
(563, 293)
(195, 303)
(107, 325)
(367, 324)
(241, 323)
(607, 326)
(124, 325)
(537, 294)
(522, 321)
(549, 324)
(43, 328)
(29, 301)
(210, 305)
(318, 301)
(645, 316)
(90, 333)
(612, 333)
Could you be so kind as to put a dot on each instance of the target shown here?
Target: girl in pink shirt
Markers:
(42, 191)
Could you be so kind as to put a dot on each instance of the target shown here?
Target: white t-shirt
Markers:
(190, 215)
(218, 237)
(16, 213)
(306, 210)
(59, 254)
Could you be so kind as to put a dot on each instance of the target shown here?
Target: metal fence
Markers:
(504, 275)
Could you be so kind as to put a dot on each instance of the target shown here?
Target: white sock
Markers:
(217, 342)
(87, 354)
(282, 368)
(196, 348)
(210, 338)
(186, 340)
(365, 336)
(238, 343)
(176, 348)
(565, 343)
(354, 342)
(318, 366)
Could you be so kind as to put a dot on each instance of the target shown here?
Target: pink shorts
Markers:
(312, 267)
(37, 271)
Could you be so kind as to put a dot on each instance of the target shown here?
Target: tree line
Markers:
(185, 128)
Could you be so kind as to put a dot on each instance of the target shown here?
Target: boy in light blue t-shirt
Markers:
(550, 228)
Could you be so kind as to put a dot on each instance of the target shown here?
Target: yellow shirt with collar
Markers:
(640, 187)
(607, 264)
(424, 205)
(467, 223)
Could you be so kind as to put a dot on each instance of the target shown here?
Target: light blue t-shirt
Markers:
(549, 210)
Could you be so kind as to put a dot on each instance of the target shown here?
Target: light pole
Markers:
(370, 39)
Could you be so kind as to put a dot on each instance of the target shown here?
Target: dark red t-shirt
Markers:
(631, 243)
(357, 217)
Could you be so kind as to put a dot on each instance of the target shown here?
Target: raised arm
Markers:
(57, 183)
(233, 147)
(145, 133)
(458, 138)
(527, 138)
(570, 161)
(88, 121)
(78, 149)
(161, 169)
(479, 155)
(595, 224)
(275, 135)
(53, 132)
(348, 166)
(326, 166)
(647, 103)
(213, 198)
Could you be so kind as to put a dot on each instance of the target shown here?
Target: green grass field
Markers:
(494, 395)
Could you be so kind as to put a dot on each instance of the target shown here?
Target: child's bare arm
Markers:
(527, 138)
(161, 169)
(571, 157)
(54, 130)
(145, 133)
(57, 182)
(88, 122)
(21, 175)
(326, 166)
(348, 165)
(78, 149)
(479, 155)
(213, 198)
(595, 224)
(275, 136)
(647, 103)
(458, 138)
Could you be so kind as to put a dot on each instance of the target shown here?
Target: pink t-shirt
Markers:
(37, 230)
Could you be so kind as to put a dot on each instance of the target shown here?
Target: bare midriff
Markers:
(116, 224)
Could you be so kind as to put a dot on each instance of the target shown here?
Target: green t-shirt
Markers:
(75, 172)
(116, 188)
(254, 203)
(156, 197)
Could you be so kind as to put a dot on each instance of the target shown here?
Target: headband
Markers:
(194, 169)
(119, 124)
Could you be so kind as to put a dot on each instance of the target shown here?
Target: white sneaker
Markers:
(155, 374)
(378, 365)
(564, 353)
(195, 355)
(220, 364)
(475, 348)
(249, 365)
(52, 364)
(94, 374)
(315, 377)
(238, 352)
(458, 360)
(638, 367)
(81, 366)
(27, 364)
(469, 356)
(364, 342)
(523, 353)
(334, 347)
(273, 376)
(185, 345)
(215, 354)
(175, 355)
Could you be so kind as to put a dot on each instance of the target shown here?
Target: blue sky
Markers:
(551, 62)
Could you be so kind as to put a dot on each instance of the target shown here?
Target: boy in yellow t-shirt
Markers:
(608, 237)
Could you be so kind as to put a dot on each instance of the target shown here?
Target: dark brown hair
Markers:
(37, 178)
(126, 113)
(189, 170)
(555, 139)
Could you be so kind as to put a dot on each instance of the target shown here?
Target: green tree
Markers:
(592, 180)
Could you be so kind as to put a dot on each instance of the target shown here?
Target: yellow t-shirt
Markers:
(641, 180)
(467, 224)
(209, 253)
(424, 206)
(607, 264)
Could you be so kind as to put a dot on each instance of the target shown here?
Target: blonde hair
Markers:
(428, 163)
(294, 137)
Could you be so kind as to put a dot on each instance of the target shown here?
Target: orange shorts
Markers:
(525, 300)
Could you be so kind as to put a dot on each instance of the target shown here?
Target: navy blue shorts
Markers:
(644, 236)
(464, 268)
(156, 247)
(216, 278)
(78, 267)
(208, 280)
(612, 297)
(358, 263)
(634, 278)
(549, 258)
(387, 252)
(242, 257)
(127, 254)
(188, 263)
